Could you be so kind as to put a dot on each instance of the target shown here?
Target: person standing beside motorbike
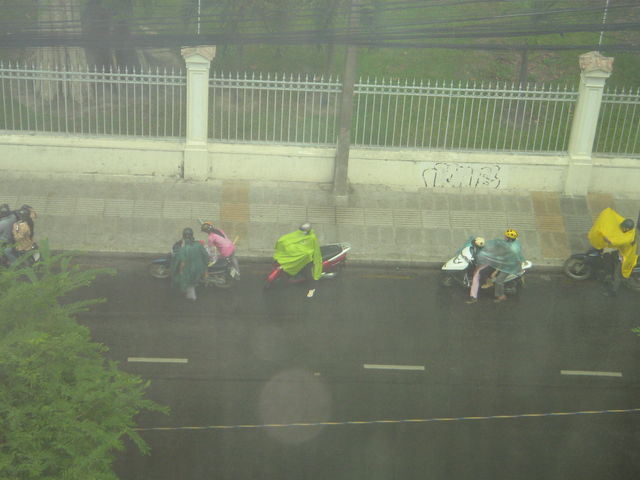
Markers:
(612, 230)
(188, 264)
(298, 251)
(218, 240)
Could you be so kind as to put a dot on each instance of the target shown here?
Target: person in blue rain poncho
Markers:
(505, 256)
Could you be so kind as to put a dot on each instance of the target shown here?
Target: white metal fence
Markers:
(619, 123)
(270, 108)
(92, 101)
(303, 109)
(493, 117)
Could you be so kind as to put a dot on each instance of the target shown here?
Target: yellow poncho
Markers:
(606, 232)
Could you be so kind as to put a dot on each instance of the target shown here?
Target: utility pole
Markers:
(341, 164)
(604, 21)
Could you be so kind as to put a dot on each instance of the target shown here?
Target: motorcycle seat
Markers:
(330, 251)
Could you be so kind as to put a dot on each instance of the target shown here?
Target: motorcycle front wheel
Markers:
(446, 280)
(577, 269)
(159, 270)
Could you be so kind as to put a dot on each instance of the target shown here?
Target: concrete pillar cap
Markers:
(208, 52)
(595, 62)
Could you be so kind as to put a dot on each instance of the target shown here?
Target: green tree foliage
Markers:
(64, 409)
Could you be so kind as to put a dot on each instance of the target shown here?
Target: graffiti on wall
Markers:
(456, 175)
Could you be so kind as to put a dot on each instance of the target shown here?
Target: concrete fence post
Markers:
(198, 61)
(595, 71)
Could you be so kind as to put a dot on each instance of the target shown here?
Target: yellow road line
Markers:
(375, 422)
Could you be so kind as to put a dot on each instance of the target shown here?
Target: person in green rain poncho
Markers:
(188, 264)
(300, 249)
(505, 256)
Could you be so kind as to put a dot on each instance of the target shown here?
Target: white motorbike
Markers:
(459, 271)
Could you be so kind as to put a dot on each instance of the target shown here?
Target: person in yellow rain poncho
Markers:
(612, 230)
(296, 250)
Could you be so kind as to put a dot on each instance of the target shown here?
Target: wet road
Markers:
(376, 345)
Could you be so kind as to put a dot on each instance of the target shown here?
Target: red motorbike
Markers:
(334, 258)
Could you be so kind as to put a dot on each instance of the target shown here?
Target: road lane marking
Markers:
(592, 374)
(378, 422)
(156, 360)
(392, 277)
(372, 366)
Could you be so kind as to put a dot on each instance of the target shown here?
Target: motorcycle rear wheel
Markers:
(577, 269)
(159, 270)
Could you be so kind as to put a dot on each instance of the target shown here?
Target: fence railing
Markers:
(495, 117)
(303, 109)
(93, 102)
(619, 123)
(271, 108)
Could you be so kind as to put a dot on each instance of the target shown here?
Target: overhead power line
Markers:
(400, 31)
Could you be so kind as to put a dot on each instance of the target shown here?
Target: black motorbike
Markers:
(221, 273)
(599, 265)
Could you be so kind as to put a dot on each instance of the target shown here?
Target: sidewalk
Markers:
(383, 225)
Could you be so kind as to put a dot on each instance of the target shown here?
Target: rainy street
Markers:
(375, 377)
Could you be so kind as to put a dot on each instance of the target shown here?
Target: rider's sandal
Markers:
(471, 300)
(487, 284)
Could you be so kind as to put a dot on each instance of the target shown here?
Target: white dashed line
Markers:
(592, 374)
(371, 366)
(156, 360)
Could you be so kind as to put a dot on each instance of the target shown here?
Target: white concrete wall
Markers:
(86, 155)
(408, 169)
(449, 170)
(615, 175)
(271, 162)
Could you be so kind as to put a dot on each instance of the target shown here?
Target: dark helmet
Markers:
(305, 227)
(627, 224)
(23, 214)
(187, 233)
(5, 210)
(207, 227)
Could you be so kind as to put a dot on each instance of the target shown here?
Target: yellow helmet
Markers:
(512, 234)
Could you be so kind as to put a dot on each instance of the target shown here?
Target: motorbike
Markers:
(598, 264)
(220, 273)
(334, 257)
(33, 252)
(459, 271)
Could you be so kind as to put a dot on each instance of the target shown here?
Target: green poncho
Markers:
(296, 249)
(502, 255)
(188, 265)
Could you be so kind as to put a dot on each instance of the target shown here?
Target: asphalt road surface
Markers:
(381, 375)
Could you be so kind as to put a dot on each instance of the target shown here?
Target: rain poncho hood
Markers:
(296, 249)
(606, 232)
(194, 258)
(502, 255)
